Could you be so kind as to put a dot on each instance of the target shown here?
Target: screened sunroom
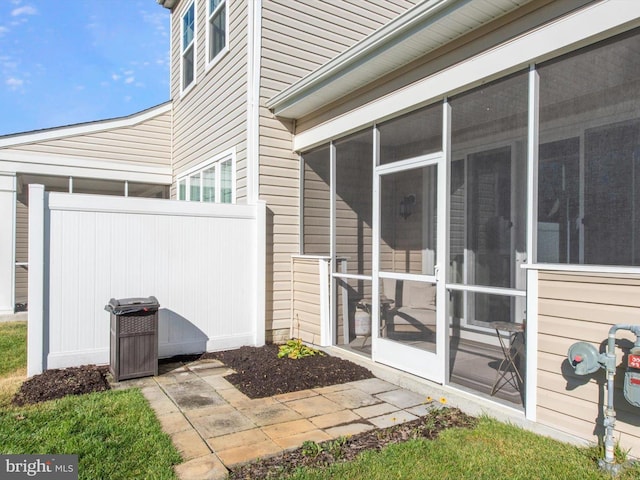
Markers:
(426, 222)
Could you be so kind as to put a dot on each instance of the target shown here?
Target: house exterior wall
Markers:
(582, 307)
(297, 38)
(210, 116)
(22, 248)
(148, 142)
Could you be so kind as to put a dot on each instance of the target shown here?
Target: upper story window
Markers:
(212, 181)
(216, 28)
(188, 46)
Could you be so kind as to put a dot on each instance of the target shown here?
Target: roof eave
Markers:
(338, 77)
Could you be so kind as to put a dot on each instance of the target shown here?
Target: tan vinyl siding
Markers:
(297, 38)
(582, 307)
(148, 142)
(306, 299)
(210, 116)
(22, 243)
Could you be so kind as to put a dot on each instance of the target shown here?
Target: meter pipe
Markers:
(610, 366)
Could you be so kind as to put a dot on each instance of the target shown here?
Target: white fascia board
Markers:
(43, 164)
(83, 128)
(351, 57)
(572, 31)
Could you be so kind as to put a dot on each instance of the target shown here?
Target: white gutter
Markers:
(401, 41)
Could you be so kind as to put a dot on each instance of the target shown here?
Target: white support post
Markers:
(7, 242)
(36, 320)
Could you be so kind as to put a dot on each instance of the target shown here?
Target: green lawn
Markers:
(115, 433)
(490, 451)
(13, 347)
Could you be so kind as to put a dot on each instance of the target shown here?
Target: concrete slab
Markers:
(313, 406)
(402, 398)
(217, 382)
(206, 411)
(208, 467)
(352, 398)
(176, 377)
(422, 409)
(332, 388)
(391, 419)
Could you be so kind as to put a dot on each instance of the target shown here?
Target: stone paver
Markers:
(215, 426)
(221, 424)
(287, 429)
(375, 410)
(352, 398)
(402, 398)
(313, 406)
(334, 419)
(174, 422)
(247, 453)
(193, 394)
(189, 444)
(373, 385)
(391, 419)
(238, 439)
(267, 414)
(294, 441)
(348, 429)
(208, 467)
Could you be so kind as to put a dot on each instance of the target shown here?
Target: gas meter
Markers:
(584, 358)
(632, 378)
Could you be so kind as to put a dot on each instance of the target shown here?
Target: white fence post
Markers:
(35, 326)
(260, 272)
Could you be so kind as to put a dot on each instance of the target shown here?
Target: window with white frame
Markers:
(188, 46)
(216, 28)
(211, 182)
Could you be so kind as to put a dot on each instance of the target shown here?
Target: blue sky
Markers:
(70, 61)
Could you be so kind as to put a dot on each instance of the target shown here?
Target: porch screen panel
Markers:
(408, 206)
(488, 184)
(354, 180)
(316, 202)
(414, 134)
(589, 162)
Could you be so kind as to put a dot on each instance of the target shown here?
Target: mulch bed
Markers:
(260, 373)
(58, 383)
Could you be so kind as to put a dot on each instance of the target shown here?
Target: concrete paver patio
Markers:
(216, 427)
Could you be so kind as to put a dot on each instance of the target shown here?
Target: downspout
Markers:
(254, 44)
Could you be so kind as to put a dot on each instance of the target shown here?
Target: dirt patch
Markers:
(346, 449)
(260, 373)
(57, 383)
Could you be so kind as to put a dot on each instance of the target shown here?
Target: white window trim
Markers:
(194, 43)
(213, 61)
(215, 161)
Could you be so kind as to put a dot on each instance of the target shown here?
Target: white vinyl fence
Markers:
(203, 262)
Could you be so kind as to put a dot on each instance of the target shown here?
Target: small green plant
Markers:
(311, 449)
(295, 349)
(332, 447)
